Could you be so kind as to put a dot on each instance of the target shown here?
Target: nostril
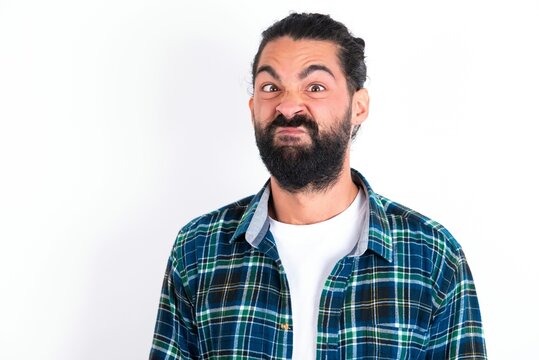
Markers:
(289, 114)
(289, 111)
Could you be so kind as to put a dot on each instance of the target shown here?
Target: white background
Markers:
(122, 120)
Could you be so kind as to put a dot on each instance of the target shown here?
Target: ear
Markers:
(251, 107)
(360, 106)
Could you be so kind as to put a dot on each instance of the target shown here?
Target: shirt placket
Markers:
(284, 326)
(331, 305)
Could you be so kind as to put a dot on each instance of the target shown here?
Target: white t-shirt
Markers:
(308, 254)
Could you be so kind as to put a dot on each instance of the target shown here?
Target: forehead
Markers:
(287, 54)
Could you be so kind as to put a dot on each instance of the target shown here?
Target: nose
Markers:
(290, 105)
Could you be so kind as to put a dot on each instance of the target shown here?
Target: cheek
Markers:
(336, 109)
(323, 113)
(264, 109)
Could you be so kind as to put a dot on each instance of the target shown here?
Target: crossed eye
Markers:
(316, 88)
(270, 88)
(311, 88)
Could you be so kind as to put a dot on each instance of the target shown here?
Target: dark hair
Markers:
(321, 27)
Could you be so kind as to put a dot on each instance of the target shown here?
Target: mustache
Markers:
(296, 121)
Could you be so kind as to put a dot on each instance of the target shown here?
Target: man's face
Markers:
(302, 112)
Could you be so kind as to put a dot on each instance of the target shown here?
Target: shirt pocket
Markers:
(388, 342)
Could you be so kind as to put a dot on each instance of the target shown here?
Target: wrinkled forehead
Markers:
(293, 56)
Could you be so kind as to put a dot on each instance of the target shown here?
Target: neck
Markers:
(309, 206)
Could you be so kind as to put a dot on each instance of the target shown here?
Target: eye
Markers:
(316, 88)
(269, 88)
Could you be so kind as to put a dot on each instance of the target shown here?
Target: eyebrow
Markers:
(302, 75)
(269, 70)
(312, 68)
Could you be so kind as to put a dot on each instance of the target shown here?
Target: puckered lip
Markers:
(290, 130)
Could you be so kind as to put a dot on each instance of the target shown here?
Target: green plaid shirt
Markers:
(409, 296)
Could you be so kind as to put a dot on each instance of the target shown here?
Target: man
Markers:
(316, 265)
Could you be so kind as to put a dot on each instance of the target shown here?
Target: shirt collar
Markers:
(254, 223)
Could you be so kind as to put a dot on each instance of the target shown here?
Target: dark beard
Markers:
(315, 166)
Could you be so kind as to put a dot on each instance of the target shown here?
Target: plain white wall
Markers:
(122, 120)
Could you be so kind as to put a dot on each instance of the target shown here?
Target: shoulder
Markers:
(410, 223)
(423, 244)
(201, 237)
(209, 229)
(221, 223)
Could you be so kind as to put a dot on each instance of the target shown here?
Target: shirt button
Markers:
(285, 326)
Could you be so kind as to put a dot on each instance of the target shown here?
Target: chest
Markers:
(367, 306)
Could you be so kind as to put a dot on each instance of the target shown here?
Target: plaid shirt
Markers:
(409, 296)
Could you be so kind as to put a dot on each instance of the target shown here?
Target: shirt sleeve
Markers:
(456, 331)
(175, 335)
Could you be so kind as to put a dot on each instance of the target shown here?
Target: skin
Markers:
(305, 77)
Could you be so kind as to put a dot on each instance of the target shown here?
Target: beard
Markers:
(304, 167)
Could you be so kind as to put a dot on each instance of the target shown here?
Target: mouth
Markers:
(292, 136)
(290, 131)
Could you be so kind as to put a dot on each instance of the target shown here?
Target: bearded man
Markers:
(316, 265)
